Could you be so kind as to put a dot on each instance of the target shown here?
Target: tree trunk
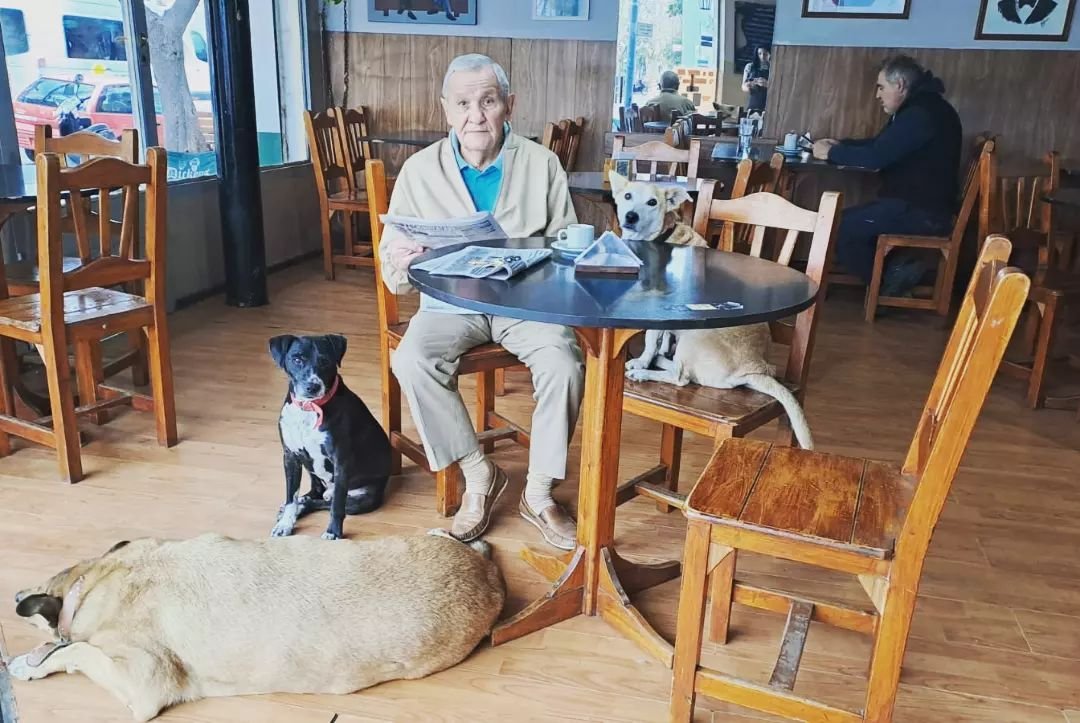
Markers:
(166, 31)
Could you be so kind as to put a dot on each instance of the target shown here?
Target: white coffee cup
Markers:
(577, 235)
(791, 142)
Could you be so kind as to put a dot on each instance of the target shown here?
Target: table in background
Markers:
(605, 313)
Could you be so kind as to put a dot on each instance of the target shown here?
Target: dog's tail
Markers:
(484, 548)
(769, 385)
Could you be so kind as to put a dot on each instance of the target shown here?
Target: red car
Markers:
(104, 100)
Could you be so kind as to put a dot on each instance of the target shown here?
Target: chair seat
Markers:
(478, 359)
(914, 241)
(26, 275)
(349, 200)
(81, 308)
(716, 407)
(795, 494)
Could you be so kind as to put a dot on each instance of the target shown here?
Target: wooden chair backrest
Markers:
(100, 176)
(563, 138)
(553, 137)
(991, 306)
(657, 152)
(327, 153)
(352, 124)
(630, 119)
(750, 178)
(88, 146)
(703, 125)
(379, 204)
(650, 113)
(770, 211)
(1016, 200)
(574, 136)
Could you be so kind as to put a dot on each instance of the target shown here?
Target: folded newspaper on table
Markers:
(609, 254)
(480, 226)
(481, 262)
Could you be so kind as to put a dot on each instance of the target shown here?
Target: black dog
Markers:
(328, 430)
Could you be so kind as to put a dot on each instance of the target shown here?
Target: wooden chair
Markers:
(725, 413)
(630, 119)
(356, 146)
(572, 143)
(657, 152)
(703, 125)
(947, 247)
(750, 178)
(76, 307)
(650, 113)
(482, 361)
(554, 132)
(863, 517)
(335, 181)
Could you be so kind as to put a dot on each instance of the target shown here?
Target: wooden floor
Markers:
(996, 634)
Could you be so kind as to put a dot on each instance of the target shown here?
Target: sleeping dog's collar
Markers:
(316, 405)
(664, 236)
(67, 610)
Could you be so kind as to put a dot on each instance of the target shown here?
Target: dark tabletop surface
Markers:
(672, 277)
(415, 137)
(1065, 197)
(593, 181)
(18, 183)
(762, 152)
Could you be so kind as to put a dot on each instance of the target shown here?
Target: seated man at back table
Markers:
(669, 99)
(484, 166)
(918, 155)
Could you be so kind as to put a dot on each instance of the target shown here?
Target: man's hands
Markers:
(822, 148)
(404, 253)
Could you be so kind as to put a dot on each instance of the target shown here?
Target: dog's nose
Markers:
(312, 389)
(632, 217)
(19, 597)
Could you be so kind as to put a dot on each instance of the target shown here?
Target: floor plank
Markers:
(995, 635)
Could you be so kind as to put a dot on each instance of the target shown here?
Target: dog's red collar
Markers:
(316, 405)
(67, 610)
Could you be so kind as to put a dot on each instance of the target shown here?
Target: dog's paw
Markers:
(637, 375)
(328, 535)
(19, 667)
(283, 528)
(637, 364)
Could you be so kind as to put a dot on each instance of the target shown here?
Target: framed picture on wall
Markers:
(877, 9)
(560, 9)
(423, 12)
(1048, 20)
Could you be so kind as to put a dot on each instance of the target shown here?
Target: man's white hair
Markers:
(476, 61)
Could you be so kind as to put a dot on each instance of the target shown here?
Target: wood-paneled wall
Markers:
(1026, 97)
(399, 77)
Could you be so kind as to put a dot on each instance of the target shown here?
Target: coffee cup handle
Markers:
(562, 236)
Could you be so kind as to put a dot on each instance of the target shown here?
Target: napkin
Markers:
(608, 254)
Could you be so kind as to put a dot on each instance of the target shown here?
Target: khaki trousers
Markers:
(426, 364)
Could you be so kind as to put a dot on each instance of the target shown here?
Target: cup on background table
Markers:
(791, 142)
(576, 235)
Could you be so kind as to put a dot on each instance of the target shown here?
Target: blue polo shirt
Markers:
(483, 187)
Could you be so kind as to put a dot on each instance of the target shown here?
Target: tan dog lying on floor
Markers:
(719, 358)
(159, 622)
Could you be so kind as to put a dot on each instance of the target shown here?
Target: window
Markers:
(280, 83)
(706, 5)
(51, 92)
(14, 25)
(94, 38)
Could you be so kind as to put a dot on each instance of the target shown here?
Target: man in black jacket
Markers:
(918, 157)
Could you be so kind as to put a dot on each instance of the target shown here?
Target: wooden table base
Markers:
(593, 579)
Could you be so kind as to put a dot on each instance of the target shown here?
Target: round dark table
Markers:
(656, 126)
(1064, 197)
(605, 313)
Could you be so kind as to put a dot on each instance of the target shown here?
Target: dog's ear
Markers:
(618, 181)
(279, 347)
(47, 606)
(675, 198)
(117, 546)
(333, 345)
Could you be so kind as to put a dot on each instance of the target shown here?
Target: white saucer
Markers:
(788, 152)
(572, 251)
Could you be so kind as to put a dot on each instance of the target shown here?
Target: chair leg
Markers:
(140, 369)
(8, 368)
(161, 379)
(348, 226)
(1044, 347)
(500, 382)
(448, 484)
(671, 459)
(485, 402)
(890, 642)
(948, 277)
(721, 588)
(690, 622)
(873, 291)
(327, 246)
(391, 401)
(65, 428)
(88, 374)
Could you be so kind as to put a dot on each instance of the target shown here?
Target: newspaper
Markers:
(481, 262)
(480, 226)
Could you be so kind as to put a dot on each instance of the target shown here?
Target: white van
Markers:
(60, 38)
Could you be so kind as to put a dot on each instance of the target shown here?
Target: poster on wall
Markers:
(1025, 20)
(560, 9)
(877, 9)
(423, 12)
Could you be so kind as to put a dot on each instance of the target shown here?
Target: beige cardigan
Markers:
(534, 199)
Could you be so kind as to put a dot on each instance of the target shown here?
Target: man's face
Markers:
(891, 95)
(475, 110)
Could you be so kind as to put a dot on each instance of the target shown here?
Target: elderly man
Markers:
(484, 166)
(918, 155)
(669, 98)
